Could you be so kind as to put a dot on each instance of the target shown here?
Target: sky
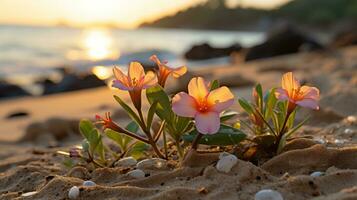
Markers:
(123, 13)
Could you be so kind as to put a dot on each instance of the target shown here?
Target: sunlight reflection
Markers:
(102, 72)
(98, 44)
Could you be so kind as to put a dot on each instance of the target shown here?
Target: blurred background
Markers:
(50, 46)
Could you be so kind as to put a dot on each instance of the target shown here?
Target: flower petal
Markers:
(308, 103)
(220, 99)
(281, 94)
(136, 71)
(198, 88)
(119, 75)
(179, 71)
(118, 84)
(149, 80)
(310, 92)
(207, 123)
(155, 59)
(289, 83)
(184, 105)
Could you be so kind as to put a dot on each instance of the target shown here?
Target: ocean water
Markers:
(27, 53)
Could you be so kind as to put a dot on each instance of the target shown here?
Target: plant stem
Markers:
(179, 148)
(195, 141)
(146, 130)
(165, 144)
(117, 128)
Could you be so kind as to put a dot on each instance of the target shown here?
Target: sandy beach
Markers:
(29, 162)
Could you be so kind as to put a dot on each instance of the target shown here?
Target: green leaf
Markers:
(246, 106)
(127, 108)
(163, 108)
(214, 85)
(121, 139)
(151, 113)
(181, 124)
(92, 134)
(270, 104)
(293, 130)
(225, 136)
(116, 137)
(259, 90)
(290, 122)
(86, 127)
(138, 149)
(227, 115)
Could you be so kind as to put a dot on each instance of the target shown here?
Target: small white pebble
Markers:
(351, 119)
(88, 183)
(27, 194)
(73, 193)
(137, 173)
(316, 174)
(226, 163)
(224, 154)
(126, 162)
(348, 131)
(152, 163)
(268, 194)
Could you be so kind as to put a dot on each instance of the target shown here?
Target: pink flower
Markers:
(165, 71)
(135, 82)
(291, 90)
(202, 104)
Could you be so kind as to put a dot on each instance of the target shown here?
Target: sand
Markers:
(28, 161)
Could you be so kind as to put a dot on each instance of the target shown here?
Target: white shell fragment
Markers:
(88, 183)
(226, 163)
(152, 163)
(317, 174)
(137, 173)
(348, 131)
(73, 193)
(268, 194)
(126, 162)
(351, 119)
(27, 194)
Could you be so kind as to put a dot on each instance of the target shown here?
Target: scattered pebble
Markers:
(319, 140)
(351, 119)
(317, 174)
(127, 162)
(152, 163)
(88, 183)
(137, 173)
(27, 194)
(339, 141)
(268, 194)
(348, 131)
(226, 163)
(73, 193)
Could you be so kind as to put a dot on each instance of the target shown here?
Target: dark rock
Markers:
(17, 114)
(206, 51)
(345, 36)
(8, 90)
(72, 82)
(285, 39)
(53, 129)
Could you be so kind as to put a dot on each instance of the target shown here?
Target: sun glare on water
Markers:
(98, 44)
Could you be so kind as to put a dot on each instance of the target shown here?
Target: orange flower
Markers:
(135, 82)
(165, 71)
(202, 104)
(291, 90)
(106, 122)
